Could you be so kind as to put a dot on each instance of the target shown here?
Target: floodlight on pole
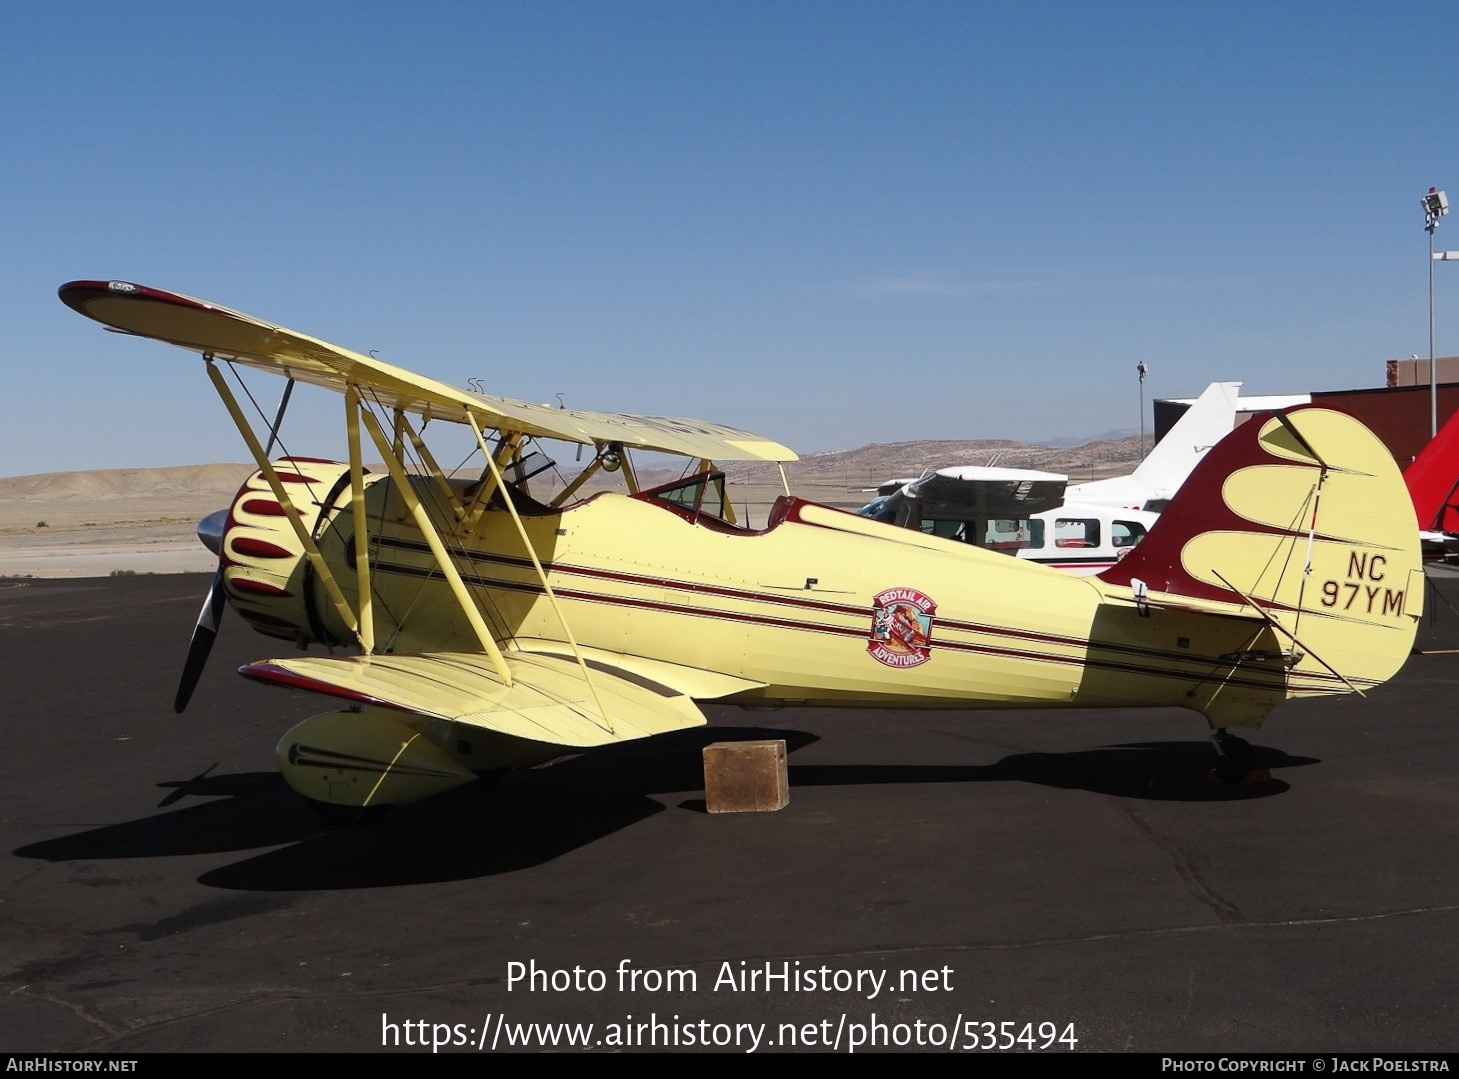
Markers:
(1436, 205)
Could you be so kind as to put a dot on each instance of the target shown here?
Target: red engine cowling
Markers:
(266, 574)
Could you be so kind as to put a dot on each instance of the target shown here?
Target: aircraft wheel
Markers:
(346, 816)
(1236, 758)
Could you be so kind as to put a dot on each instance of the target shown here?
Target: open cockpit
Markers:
(699, 499)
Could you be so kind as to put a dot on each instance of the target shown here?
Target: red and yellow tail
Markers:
(1299, 520)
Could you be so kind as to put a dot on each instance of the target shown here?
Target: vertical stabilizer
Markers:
(1432, 480)
(1299, 520)
(1160, 475)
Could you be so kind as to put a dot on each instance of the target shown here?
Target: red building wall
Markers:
(1398, 416)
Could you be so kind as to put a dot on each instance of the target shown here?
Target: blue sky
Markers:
(831, 223)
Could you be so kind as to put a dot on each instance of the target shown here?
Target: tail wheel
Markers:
(1235, 758)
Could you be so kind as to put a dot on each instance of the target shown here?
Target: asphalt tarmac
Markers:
(1067, 878)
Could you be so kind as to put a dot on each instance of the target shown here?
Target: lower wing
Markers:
(548, 701)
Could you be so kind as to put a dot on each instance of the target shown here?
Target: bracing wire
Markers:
(276, 433)
(451, 539)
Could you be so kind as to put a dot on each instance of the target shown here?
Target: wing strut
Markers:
(496, 476)
(357, 500)
(484, 489)
(438, 549)
(432, 467)
(630, 477)
(594, 466)
(331, 586)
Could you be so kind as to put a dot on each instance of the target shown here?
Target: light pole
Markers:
(1442, 256)
(1436, 205)
(1143, 371)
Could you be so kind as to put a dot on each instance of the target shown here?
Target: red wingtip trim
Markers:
(77, 294)
(272, 674)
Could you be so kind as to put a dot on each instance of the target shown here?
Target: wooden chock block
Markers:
(746, 777)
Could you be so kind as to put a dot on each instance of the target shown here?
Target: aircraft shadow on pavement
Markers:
(550, 811)
(1158, 771)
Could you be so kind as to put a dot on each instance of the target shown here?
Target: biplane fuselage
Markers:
(803, 611)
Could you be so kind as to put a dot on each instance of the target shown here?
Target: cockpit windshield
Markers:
(701, 495)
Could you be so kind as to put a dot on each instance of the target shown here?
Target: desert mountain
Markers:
(123, 496)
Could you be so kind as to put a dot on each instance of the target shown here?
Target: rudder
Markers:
(1303, 519)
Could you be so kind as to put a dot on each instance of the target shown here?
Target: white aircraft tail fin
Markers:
(1205, 423)
(1160, 475)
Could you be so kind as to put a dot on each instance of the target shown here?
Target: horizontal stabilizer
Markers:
(548, 701)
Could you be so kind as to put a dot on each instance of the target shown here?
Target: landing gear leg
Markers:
(1235, 759)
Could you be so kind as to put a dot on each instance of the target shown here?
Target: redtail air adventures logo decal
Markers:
(901, 627)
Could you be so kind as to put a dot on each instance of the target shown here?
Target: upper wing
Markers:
(213, 330)
(548, 701)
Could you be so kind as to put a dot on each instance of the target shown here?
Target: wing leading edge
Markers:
(209, 329)
(549, 701)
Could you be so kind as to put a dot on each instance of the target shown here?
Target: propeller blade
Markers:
(211, 531)
(204, 633)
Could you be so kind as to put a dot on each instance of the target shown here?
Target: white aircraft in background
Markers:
(1017, 511)
(1160, 475)
(1036, 516)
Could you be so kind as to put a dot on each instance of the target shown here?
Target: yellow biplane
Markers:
(494, 630)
